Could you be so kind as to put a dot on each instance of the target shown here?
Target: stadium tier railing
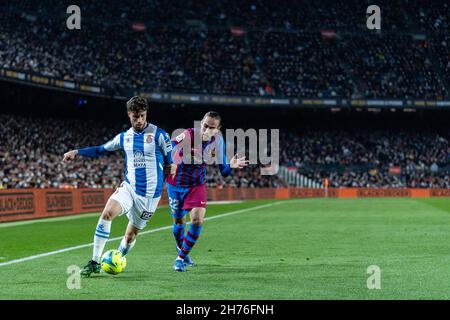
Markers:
(35, 79)
(24, 204)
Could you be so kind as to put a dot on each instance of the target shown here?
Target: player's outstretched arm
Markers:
(95, 152)
(235, 163)
(91, 152)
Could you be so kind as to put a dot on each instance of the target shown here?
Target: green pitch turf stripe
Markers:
(46, 254)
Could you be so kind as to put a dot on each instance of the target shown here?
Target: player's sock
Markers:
(126, 247)
(189, 240)
(101, 236)
(178, 233)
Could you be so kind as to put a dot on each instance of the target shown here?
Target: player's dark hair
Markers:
(214, 115)
(137, 104)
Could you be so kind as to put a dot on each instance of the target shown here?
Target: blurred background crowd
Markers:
(31, 153)
(245, 47)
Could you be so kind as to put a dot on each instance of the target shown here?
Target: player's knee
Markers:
(107, 215)
(197, 221)
(111, 210)
(179, 221)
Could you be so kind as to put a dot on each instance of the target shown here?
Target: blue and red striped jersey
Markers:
(191, 170)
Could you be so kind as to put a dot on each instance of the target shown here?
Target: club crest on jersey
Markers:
(149, 139)
(180, 137)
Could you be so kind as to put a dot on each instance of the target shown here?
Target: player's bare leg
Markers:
(197, 216)
(129, 239)
(111, 210)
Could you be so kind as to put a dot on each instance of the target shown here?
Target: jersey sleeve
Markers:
(179, 138)
(97, 151)
(114, 144)
(165, 144)
(224, 166)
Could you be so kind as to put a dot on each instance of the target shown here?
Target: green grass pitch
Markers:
(294, 249)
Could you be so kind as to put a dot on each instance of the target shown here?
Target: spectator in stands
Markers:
(268, 59)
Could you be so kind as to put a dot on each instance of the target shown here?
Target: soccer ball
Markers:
(112, 262)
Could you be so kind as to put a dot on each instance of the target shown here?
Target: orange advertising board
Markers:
(26, 204)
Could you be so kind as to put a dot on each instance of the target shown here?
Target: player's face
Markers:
(138, 120)
(210, 127)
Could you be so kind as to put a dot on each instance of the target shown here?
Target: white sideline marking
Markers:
(55, 219)
(46, 254)
(225, 202)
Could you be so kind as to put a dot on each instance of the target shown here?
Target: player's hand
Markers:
(70, 155)
(170, 169)
(238, 163)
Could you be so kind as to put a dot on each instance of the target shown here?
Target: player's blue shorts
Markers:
(183, 199)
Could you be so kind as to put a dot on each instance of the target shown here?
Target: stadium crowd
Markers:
(272, 49)
(233, 47)
(31, 152)
(370, 158)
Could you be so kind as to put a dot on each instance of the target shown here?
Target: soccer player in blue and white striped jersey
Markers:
(147, 151)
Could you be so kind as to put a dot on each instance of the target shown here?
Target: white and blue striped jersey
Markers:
(146, 153)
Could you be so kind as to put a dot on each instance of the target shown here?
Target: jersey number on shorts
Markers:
(173, 203)
(146, 215)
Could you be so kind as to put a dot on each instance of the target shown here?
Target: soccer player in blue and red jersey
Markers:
(186, 185)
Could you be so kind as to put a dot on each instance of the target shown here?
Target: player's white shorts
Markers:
(139, 209)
